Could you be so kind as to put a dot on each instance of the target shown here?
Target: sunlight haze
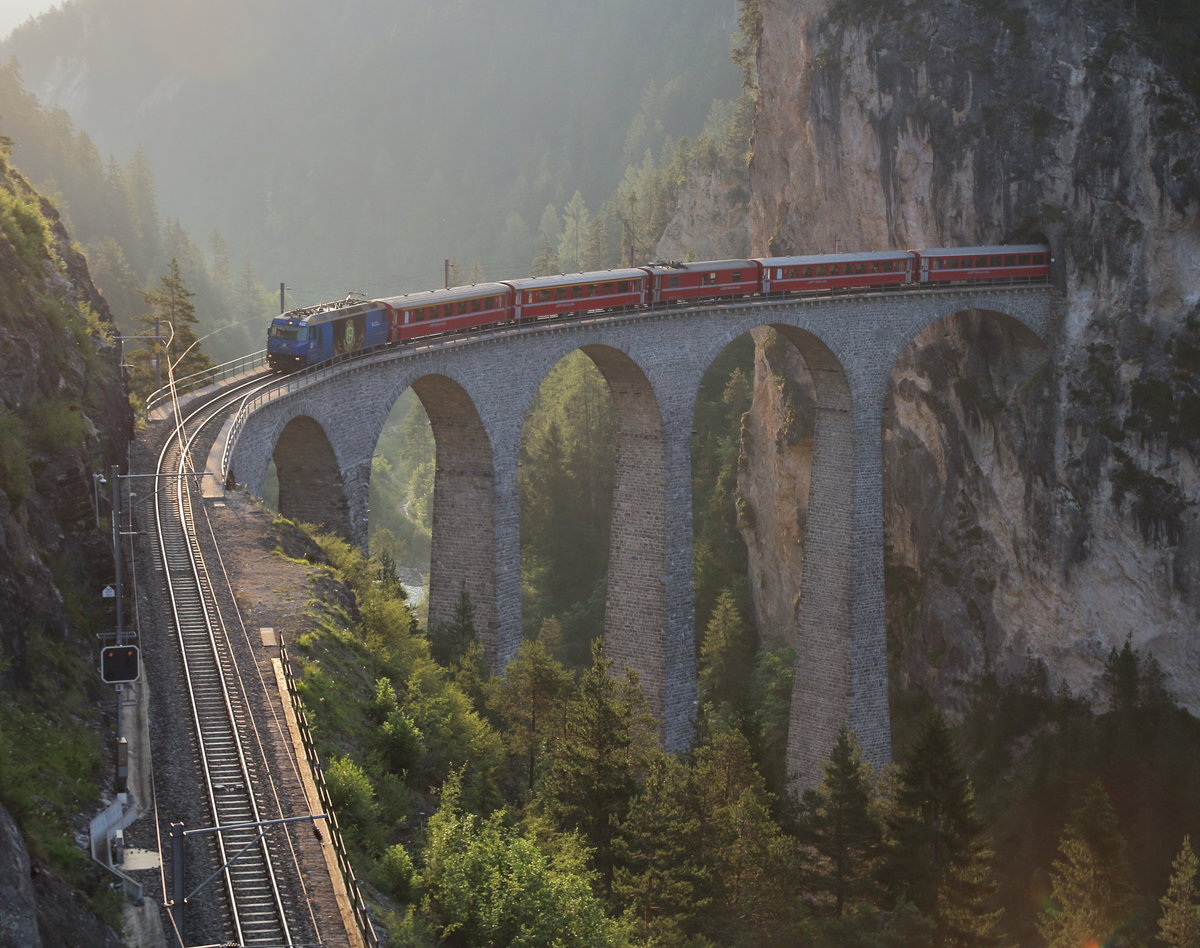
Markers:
(15, 12)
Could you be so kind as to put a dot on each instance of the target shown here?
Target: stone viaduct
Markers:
(321, 430)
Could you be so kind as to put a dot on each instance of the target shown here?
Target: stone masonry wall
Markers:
(478, 391)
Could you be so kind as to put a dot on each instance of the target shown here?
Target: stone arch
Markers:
(635, 614)
(311, 485)
(463, 548)
(824, 626)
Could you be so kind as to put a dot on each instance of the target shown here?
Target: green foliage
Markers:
(49, 773)
(57, 425)
(350, 792)
(1033, 749)
(112, 211)
(566, 484)
(173, 347)
(747, 41)
(839, 822)
(24, 226)
(402, 484)
(593, 768)
(721, 561)
(16, 470)
(1179, 926)
(530, 702)
(1092, 892)
(936, 858)
(489, 885)
(450, 640)
(658, 880)
(749, 863)
(727, 660)
(396, 873)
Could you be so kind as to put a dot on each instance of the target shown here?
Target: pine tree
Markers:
(449, 641)
(572, 245)
(839, 824)
(657, 879)
(937, 859)
(726, 660)
(531, 701)
(1179, 926)
(593, 772)
(173, 349)
(748, 861)
(1092, 893)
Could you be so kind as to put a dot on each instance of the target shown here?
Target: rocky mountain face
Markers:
(1041, 494)
(64, 414)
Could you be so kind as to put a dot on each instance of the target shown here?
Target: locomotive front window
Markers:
(284, 332)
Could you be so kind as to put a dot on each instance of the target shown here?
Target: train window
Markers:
(737, 276)
(1024, 260)
(1010, 260)
(546, 295)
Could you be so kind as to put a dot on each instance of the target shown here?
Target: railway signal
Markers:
(120, 663)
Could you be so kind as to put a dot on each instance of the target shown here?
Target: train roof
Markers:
(573, 279)
(980, 251)
(326, 312)
(449, 295)
(814, 258)
(699, 264)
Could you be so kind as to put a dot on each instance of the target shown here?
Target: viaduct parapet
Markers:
(321, 429)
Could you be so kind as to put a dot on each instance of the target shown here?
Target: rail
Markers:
(205, 377)
(256, 909)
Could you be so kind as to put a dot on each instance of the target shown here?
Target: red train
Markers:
(301, 338)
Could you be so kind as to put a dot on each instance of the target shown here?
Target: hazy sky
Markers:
(15, 12)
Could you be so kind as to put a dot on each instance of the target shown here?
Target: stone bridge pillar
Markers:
(462, 558)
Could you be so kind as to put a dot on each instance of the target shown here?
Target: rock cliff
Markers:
(1041, 495)
(64, 413)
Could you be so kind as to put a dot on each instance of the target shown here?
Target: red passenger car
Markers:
(438, 311)
(675, 282)
(821, 273)
(975, 264)
(602, 291)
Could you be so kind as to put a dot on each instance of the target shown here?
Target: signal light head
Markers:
(120, 663)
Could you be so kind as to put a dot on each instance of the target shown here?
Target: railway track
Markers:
(250, 877)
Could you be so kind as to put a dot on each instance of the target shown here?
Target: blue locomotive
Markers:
(320, 333)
